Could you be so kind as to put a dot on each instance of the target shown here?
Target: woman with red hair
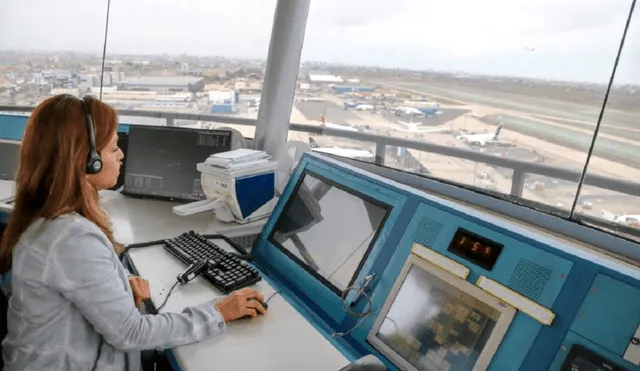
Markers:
(72, 305)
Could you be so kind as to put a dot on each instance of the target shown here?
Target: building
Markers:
(319, 78)
(338, 89)
(164, 84)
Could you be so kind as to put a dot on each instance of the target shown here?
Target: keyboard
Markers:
(224, 270)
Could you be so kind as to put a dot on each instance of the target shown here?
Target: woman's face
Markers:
(111, 156)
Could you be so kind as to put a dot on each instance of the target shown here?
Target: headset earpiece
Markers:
(94, 162)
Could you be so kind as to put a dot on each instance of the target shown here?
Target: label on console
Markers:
(532, 309)
(440, 261)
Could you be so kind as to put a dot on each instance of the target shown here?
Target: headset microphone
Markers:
(94, 162)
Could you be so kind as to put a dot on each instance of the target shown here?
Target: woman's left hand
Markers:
(140, 288)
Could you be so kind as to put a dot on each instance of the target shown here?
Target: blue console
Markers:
(564, 293)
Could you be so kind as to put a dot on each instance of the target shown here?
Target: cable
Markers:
(139, 245)
(352, 253)
(271, 296)
(104, 47)
(243, 254)
(167, 297)
(362, 316)
(602, 109)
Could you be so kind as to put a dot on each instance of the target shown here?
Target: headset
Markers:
(94, 161)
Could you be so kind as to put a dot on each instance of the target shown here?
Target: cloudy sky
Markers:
(573, 39)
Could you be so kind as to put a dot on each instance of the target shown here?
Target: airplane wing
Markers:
(346, 152)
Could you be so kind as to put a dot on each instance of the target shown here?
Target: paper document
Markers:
(236, 157)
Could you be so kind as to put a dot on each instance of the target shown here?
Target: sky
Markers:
(574, 40)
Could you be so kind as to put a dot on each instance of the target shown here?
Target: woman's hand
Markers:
(240, 303)
(140, 288)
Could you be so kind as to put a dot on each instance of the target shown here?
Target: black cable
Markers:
(602, 109)
(167, 297)
(271, 297)
(104, 47)
(243, 254)
(139, 245)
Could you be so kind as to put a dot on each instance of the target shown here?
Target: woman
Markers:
(72, 306)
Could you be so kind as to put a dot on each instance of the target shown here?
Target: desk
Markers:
(141, 220)
(7, 191)
(281, 340)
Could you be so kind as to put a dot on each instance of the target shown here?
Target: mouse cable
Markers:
(166, 298)
(271, 296)
(362, 316)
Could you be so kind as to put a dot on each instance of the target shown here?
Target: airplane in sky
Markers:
(481, 139)
(358, 154)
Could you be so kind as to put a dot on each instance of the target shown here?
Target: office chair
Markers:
(4, 306)
(366, 363)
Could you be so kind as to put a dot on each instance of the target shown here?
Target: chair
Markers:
(4, 306)
(366, 363)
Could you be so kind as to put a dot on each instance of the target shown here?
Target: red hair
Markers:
(51, 177)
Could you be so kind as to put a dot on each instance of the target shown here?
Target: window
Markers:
(508, 86)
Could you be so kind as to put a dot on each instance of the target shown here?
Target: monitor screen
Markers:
(161, 161)
(328, 229)
(435, 321)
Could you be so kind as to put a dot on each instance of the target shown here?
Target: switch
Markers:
(632, 354)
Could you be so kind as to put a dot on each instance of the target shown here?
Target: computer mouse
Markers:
(264, 305)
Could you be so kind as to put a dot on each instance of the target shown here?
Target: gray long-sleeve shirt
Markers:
(70, 296)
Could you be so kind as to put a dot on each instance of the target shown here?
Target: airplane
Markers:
(418, 111)
(323, 121)
(408, 111)
(625, 219)
(357, 154)
(480, 139)
(364, 107)
(413, 127)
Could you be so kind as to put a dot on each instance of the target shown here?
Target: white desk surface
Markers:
(140, 220)
(279, 341)
(7, 189)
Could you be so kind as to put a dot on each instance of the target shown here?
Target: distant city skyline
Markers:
(575, 40)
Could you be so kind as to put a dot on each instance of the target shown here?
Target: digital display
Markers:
(583, 359)
(311, 229)
(434, 322)
(474, 248)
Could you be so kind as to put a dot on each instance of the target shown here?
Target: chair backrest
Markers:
(4, 306)
(366, 363)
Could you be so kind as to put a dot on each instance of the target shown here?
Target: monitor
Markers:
(10, 158)
(161, 161)
(435, 321)
(328, 229)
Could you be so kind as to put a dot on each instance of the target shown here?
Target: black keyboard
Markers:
(224, 270)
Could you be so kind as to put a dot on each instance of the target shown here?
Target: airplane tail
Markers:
(495, 137)
(313, 143)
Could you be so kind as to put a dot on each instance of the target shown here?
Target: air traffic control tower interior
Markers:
(365, 267)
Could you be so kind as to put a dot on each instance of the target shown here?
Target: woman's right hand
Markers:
(240, 303)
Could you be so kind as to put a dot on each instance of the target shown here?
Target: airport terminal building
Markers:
(164, 84)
